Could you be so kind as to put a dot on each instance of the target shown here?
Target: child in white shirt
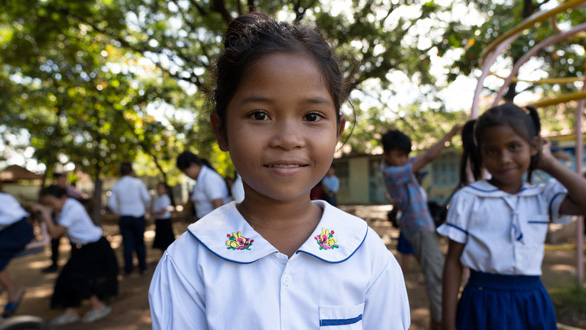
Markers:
(163, 226)
(497, 227)
(277, 260)
(91, 271)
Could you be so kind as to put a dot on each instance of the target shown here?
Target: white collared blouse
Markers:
(209, 186)
(504, 233)
(221, 274)
(80, 227)
(162, 202)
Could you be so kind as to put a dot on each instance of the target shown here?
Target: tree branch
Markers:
(199, 8)
(219, 6)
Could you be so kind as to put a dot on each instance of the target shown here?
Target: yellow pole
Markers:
(530, 22)
(560, 99)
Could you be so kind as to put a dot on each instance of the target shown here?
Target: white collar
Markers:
(217, 230)
(484, 188)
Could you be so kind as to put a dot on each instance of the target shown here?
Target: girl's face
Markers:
(507, 156)
(53, 203)
(281, 128)
(161, 190)
(193, 171)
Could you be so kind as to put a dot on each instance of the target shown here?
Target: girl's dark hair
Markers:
(53, 190)
(469, 155)
(524, 121)
(252, 36)
(186, 158)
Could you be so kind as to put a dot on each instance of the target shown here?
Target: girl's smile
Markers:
(281, 128)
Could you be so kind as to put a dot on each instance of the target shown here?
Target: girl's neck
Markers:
(511, 188)
(284, 224)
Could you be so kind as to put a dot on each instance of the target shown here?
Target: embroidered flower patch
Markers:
(326, 240)
(237, 242)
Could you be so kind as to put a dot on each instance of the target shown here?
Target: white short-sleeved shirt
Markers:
(238, 189)
(80, 228)
(504, 233)
(10, 210)
(209, 186)
(129, 197)
(210, 278)
(162, 202)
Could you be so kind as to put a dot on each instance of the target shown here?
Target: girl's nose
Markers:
(506, 157)
(287, 135)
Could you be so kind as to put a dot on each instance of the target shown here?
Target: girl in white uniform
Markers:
(277, 260)
(163, 226)
(15, 233)
(210, 190)
(92, 270)
(497, 227)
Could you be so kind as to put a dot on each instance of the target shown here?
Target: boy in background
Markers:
(415, 222)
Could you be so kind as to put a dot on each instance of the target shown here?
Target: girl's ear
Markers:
(535, 145)
(341, 126)
(219, 131)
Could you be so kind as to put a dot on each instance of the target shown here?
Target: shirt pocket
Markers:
(341, 317)
(537, 225)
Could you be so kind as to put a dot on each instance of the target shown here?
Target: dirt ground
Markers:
(130, 310)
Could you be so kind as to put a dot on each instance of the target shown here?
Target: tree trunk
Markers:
(97, 197)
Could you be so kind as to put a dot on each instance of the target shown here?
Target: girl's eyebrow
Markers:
(261, 99)
(254, 99)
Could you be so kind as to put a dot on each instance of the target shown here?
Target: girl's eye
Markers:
(312, 116)
(259, 115)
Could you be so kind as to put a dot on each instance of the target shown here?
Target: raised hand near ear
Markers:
(546, 158)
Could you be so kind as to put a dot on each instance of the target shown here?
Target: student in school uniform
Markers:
(130, 199)
(61, 181)
(15, 233)
(163, 226)
(278, 260)
(92, 270)
(497, 226)
(210, 191)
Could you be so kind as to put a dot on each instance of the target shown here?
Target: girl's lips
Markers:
(285, 169)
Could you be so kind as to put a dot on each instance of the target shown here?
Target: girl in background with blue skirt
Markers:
(497, 227)
(15, 233)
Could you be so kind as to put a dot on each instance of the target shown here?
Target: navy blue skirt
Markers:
(13, 239)
(403, 245)
(164, 235)
(91, 270)
(505, 302)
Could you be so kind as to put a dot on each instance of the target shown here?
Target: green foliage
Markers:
(570, 305)
(79, 77)
(565, 59)
(92, 82)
